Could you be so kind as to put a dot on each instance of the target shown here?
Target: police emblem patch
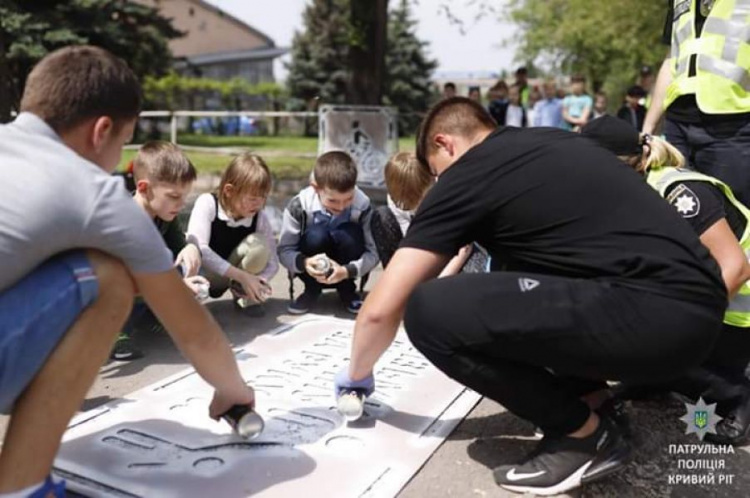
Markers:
(684, 201)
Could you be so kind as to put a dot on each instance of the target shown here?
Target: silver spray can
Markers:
(244, 421)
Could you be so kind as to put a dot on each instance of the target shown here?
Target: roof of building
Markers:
(236, 55)
(236, 21)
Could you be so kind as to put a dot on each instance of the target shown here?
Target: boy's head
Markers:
(163, 177)
(514, 94)
(475, 94)
(334, 179)
(449, 90)
(89, 97)
(550, 90)
(407, 180)
(577, 84)
(499, 91)
(634, 95)
(600, 102)
(244, 186)
(449, 130)
(522, 76)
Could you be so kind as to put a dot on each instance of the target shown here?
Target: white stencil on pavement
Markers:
(160, 442)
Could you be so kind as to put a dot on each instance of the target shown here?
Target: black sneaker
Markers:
(302, 304)
(351, 299)
(560, 464)
(734, 428)
(124, 349)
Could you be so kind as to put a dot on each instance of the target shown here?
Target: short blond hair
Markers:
(248, 174)
(407, 180)
(163, 162)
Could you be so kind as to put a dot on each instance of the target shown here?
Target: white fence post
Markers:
(173, 126)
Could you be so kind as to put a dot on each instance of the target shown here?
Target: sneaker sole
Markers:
(609, 463)
(571, 482)
(296, 311)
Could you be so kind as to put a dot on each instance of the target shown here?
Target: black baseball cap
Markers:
(614, 134)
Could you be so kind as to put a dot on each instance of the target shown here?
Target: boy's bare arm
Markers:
(383, 310)
(196, 334)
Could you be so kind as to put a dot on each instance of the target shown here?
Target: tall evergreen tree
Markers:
(319, 68)
(29, 30)
(408, 69)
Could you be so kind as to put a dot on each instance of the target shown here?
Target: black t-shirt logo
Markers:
(684, 201)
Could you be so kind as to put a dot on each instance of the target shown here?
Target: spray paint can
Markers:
(244, 421)
(351, 405)
(323, 265)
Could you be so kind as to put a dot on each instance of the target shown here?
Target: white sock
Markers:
(22, 493)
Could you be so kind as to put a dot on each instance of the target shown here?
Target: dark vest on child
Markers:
(224, 239)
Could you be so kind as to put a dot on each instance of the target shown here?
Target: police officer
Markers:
(592, 289)
(723, 225)
(704, 85)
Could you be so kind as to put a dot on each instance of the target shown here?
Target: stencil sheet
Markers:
(159, 441)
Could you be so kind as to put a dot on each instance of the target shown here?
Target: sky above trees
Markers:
(479, 49)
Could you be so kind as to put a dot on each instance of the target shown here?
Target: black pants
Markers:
(721, 151)
(721, 378)
(343, 244)
(535, 343)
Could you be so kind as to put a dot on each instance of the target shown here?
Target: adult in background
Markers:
(591, 290)
(703, 88)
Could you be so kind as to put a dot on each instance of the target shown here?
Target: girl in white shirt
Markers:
(235, 235)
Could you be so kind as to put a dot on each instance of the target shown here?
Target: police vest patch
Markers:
(684, 201)
(680, 8)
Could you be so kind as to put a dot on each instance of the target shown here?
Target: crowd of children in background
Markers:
(545, 104)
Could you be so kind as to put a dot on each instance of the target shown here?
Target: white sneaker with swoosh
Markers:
(513, 476)
(560, 464)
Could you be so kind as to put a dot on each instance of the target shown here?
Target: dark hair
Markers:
(522, 70)
(335, 170)
(636, 91)
(163, 162)
(450, 85)
(77, 83)
(456, 116)
(578, 78)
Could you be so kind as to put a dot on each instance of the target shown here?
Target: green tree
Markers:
(319, 69)
(29, 30)
(408, 69)
(367, 51)
(606, 42)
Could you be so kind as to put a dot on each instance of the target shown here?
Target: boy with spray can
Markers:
(325, 237)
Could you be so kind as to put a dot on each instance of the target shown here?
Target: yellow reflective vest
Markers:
(721, 83)
(738, 311)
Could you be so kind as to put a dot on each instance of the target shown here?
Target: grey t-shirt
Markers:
(53, 200)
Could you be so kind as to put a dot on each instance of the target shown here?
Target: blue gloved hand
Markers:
(343, 383)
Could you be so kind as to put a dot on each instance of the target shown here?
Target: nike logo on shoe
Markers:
(512, 475)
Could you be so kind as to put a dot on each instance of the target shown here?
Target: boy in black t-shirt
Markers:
(593, 290)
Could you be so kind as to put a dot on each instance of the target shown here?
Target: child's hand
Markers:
(311, 268)
(256, 288)
(190, 259)
(338, 274)
(196, 283)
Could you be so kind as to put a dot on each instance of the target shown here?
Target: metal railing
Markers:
(173, 116)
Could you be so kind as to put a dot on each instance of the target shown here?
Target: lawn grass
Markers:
(291, 144)
(282, 167)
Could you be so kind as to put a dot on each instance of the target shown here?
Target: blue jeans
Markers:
(343, 244)
(721, 151)
(36, 313)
